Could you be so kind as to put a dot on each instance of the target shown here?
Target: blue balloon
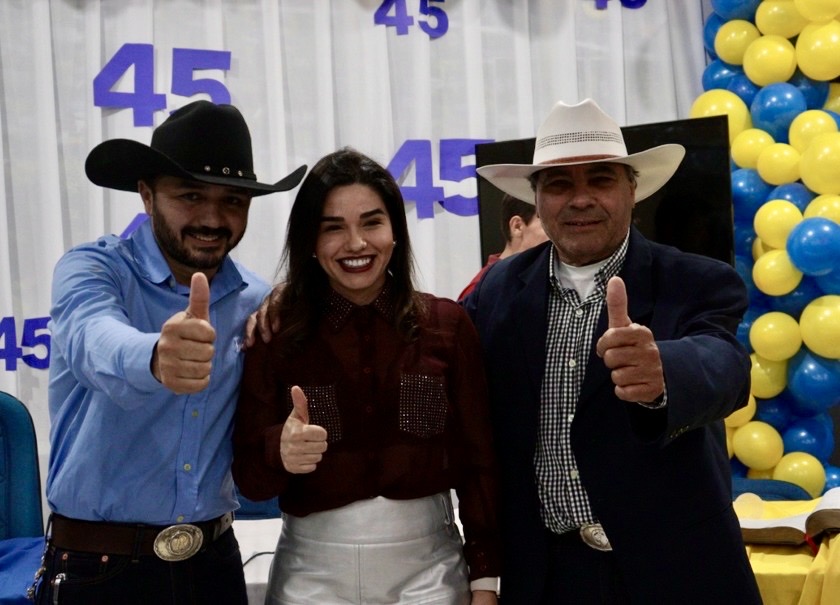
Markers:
(759, 301)
(832, 477)
(814, 91)
(796, 193)
(742, 86)
(776, 411)
(813, 435)
(744, 236)
(829, 283)
(814, 246)
(814, 382)
(749, 192)
(774, 108)
(736, 9)
(739, 469)
(744, 265)
(710, 30)
(718, 74)
(793, 303)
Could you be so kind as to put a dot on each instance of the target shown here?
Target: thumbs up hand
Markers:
(301, 444)
(183, 355)
(629, 350)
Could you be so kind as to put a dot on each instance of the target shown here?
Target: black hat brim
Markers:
(120, 163)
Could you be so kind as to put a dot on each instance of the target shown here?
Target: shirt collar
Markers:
(610, 268)
(339, 309)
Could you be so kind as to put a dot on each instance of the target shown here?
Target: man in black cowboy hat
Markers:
(611, 363)
(145, 369)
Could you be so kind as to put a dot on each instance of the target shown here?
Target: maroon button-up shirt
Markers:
(403, 420)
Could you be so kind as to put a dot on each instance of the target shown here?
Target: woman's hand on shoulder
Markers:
(265, 320)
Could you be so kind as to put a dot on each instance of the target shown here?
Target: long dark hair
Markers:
(306, 284)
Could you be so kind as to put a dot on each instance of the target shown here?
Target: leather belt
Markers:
(170, 543)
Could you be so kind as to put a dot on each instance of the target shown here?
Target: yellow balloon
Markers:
(769, 59)
(774, 220)
(769, 378)
(802, 469)
(779, 17)
(826, 205)
(818, 50)
(747, 146)
(759, 248)
(742, 416)
(820, 326)
(758, 445)
(733, 38)
(778, 164)
(819, 164)
(832, 101)
(719, 102)
(774, 274)
(762, 474)
(807, 125)
(818, 10)
(775, 336)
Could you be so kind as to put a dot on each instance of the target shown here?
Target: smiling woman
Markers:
(366, 409)
(355, 242)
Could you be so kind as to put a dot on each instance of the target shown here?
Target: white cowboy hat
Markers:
(583, 134)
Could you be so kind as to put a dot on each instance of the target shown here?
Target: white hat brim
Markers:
(655, 167)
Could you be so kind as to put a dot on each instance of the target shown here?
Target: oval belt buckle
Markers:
(178, 542)
(594, 536)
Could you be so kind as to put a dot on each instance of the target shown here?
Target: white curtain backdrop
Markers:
(310, 76)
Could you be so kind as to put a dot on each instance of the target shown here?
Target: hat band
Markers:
(590, 136)
(576, 159)
(226, 171)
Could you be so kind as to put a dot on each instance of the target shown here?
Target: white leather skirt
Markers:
(371, 552)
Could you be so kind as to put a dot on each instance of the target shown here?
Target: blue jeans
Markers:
(212, 576)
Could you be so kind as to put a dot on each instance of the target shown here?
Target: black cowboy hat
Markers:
(201, 141)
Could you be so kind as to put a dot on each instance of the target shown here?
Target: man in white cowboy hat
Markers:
(145, 371)
(611, 362)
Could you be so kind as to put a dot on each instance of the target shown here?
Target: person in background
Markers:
(365, 410)
(521, 229)
(611, 362)
(145, 371)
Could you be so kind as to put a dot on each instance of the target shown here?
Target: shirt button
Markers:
(179, 518)
(369, 409)
(572, 363)
(195, 413)
(578, 312)
(188, 467)
(367, 370)
(574, 474)
(570, 417)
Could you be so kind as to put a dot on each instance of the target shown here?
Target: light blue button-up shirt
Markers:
(123, 446)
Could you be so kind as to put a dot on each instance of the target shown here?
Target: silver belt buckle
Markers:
(178, 542)
(594, 536)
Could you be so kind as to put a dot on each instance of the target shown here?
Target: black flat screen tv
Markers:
(692, 212)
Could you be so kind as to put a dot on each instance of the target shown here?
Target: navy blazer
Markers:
(658, 480)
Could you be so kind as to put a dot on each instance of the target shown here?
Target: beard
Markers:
(173, 245)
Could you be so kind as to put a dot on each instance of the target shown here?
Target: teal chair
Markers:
(20, 478)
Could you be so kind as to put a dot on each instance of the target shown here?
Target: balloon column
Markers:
(774, 72)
